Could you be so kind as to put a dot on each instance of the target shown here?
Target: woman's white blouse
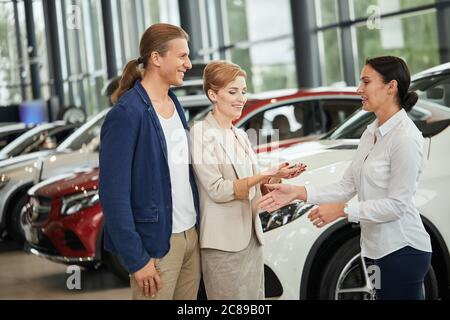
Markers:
(384, 173)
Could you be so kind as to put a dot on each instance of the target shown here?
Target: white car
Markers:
(305, 262)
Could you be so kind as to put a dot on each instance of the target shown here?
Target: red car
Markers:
(63, 222)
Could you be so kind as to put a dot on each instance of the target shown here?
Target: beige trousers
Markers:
(179, 269)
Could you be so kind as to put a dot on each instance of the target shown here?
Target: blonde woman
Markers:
(231, 235)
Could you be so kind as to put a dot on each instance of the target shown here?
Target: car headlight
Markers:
(284, 215)
(78, 202)
(3, 180)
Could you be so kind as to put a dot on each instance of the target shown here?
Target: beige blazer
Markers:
(226, 218)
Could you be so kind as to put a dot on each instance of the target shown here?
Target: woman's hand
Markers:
(324, 214)
(285, 171)
(298, 170)
(279, 196)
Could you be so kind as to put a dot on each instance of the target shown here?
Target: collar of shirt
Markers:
(388, 125)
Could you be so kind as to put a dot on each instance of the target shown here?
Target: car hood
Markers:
(326, 160)
(23, 158)
(67, 184)
(315, 154)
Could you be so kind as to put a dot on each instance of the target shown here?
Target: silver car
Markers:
(42, 137)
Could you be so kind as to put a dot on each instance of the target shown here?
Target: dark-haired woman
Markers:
(147, 188)
(384, 174)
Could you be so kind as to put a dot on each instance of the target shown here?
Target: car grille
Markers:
(39, 209)
(72, 241)
(44, 245)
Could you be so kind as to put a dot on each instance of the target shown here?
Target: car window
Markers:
(435, 89)
(49, 139)
(283, 122)
(353, 128)
(337, 111)
(430, 118)
(7, 137)
(90, 132)
(43, 140)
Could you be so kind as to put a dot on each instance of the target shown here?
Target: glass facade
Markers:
(81, 38)
(367, 8)
(413, 37)
(405, 28)
(264, 51)
(15, 82)
(247, 32)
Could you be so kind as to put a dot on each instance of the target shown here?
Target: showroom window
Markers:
(330, 48)
(327, 12)
(367, 8)
(413, 37)
(13, 70)
(15, 76)
(83, 53)
(42, 58)
(404, 28)
(331, 56)
(264, 51)
(128, 31)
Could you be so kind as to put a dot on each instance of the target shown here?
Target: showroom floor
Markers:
(24, 276)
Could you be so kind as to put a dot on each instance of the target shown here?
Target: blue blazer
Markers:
(134, 187)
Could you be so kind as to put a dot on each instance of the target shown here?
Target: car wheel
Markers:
(348, 276)
(14, 226)
(117, 266)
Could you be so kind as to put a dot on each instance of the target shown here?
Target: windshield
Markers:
(7, 137)
(87, 135)
(353, 127)
(429, 117)
(45, 137)
(435, 89)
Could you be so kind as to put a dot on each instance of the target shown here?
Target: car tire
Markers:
(344, 270)
(13, 223)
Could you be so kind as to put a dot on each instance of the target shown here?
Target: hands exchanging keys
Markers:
(283, 194)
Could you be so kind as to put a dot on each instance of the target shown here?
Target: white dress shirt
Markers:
(384, 173)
